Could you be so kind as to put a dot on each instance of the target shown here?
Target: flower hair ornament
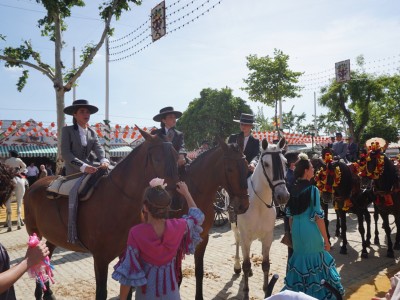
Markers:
(157, 183)
(302, 156)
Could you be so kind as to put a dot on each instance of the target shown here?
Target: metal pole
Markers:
(73, 66)
(280, 117)
(107, 81)
(107, 120)
(315, 114)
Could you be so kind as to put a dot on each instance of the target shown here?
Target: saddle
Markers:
(62, 185)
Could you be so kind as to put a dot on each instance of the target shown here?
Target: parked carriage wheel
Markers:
(220, 208)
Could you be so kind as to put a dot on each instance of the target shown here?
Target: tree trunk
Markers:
(60, 94)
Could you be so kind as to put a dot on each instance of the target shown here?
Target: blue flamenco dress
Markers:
(310, 263)
(152, 264)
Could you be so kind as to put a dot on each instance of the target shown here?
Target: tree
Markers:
(263, 123)
(52, 26)
(292, 121)
(270, 80)
(211, 115)
(354, 100)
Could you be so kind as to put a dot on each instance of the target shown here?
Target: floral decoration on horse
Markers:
(375, 151)
(328, 171)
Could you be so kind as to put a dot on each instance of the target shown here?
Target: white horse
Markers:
(266, 184)
(19, 192)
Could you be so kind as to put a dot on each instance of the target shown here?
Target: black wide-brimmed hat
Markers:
(13, 153)
(69, 110)
(246, 119)
(166, 111)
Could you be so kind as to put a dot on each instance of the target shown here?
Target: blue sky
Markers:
(208, 53)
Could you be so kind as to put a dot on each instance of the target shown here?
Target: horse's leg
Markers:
(101, 273)
(8, 212)
(326, 220)
(338, 223)
(343, 225)
(237, 268)
(246, 266)
(199, 267)
(266, 247)
(397, 242)
(361, 230)
(367, 217)
(376, 218)
(386, 226)
(20, 195)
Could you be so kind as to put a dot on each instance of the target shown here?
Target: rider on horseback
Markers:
(15, 162)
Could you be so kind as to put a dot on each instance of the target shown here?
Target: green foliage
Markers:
(87, 50)
(211, 115)
(22, 80)
(263, 123)
(382, 130)
(354, 100)
(270, 79)
(292, 122)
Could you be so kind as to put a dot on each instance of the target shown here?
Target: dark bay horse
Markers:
(223, 166)
(385, 178)
(362, 197)
(334, 180)
(103, 221)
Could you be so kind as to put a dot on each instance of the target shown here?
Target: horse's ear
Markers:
(264, 144)
(145, 134)
(240, 140)
(282, 143)
(222, 143)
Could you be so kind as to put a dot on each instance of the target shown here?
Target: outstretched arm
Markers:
(33, 257)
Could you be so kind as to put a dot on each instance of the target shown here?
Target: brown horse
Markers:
(223, 166)
(7, 183)
(104, 220)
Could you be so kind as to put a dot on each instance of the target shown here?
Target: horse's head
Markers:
(235, 169)
(273, 166)
(333, 179)
(6, 183)
(160, 159)
(380, 169)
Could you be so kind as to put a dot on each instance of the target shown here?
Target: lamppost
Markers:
(311, 131)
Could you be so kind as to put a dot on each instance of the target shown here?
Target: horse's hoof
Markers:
(9, 229)
(364, 255)
(19, 227)
(368, 244)
(343, 251)
(251, 272)
(390, 254)
(237, 271)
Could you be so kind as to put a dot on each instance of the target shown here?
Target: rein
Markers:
(271, 185)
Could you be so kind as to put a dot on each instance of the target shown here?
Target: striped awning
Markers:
(30, 151)
(51, 151)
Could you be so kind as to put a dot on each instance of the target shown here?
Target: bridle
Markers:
(272, 186)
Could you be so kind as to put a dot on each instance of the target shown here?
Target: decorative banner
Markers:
(342, 70)
(158, 24)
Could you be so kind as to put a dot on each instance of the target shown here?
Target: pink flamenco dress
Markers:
(152, 264)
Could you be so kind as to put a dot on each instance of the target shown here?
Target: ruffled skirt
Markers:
(305, 272)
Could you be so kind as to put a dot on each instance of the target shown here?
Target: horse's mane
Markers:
(6, 183)
(170, 163)
(389, 176)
